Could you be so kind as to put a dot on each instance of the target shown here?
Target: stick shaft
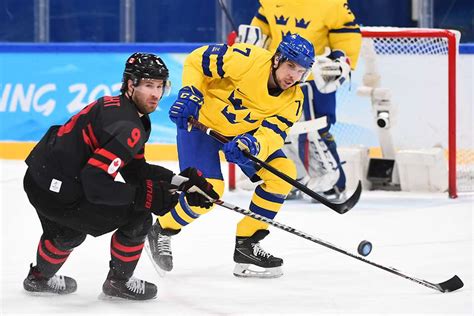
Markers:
(228, 16)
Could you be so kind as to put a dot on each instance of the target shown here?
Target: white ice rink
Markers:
(424, 235)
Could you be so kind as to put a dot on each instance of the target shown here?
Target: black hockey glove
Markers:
(196, 179)
(157, 197)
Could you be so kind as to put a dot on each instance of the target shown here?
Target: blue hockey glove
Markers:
(188, 103)
(233, 150)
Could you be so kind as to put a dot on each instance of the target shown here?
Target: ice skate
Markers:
(57, 284)
(295, 194)
(333, 195)
(254, 262)
(158, 248)
(131, 289)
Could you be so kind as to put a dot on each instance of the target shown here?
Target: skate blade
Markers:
(242, 270)
(158, 270)
(47, 294)
(104, 297)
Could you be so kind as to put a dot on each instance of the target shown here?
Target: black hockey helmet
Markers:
(145, 66)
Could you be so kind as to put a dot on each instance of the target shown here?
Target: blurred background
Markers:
(196, 20)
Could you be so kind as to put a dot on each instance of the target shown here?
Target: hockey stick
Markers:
(450, 285)
(340, 208)
(228, 16)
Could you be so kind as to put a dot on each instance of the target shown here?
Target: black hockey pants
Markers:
(65, 227)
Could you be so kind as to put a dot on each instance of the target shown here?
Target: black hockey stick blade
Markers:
(349, 203)
(450, 285)
(340, 208)
(352, 201)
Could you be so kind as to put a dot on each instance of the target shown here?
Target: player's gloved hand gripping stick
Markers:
(192, 182)
(340, 208)
(235, 149)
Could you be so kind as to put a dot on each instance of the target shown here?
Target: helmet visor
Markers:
(166, 88)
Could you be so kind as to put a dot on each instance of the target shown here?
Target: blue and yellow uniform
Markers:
(233, 81)
(325, 23)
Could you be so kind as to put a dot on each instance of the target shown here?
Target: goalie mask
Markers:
(146, 66)
(299, 50)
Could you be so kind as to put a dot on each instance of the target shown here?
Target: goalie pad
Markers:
(291, 151)
(322, 172)
(252, 35)
(329, 74)
(322, 167)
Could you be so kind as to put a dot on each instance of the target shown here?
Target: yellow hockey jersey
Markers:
(325, 23)
(233, 80)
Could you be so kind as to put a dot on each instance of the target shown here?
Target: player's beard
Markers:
(275, 79)
(281, 83)
(143, 105)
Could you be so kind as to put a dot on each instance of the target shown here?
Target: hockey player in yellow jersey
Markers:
(331, 27)
(251, 96)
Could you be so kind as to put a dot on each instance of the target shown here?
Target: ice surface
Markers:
(424, 235)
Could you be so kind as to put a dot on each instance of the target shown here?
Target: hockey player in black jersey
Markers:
(71, 181)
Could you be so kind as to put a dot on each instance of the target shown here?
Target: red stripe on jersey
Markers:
(87, 140)
(51, 248)
(99, 164)
(139, 156)
(111, 101)
(66, 128)
(48, 258)
(95, 143)
(123, 258)
(124, 248)
(105, 153)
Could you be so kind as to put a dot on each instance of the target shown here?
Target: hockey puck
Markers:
(365, 247)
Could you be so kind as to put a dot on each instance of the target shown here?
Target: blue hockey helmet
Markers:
(298, 49)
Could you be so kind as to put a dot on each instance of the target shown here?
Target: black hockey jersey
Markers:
(84, 156)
